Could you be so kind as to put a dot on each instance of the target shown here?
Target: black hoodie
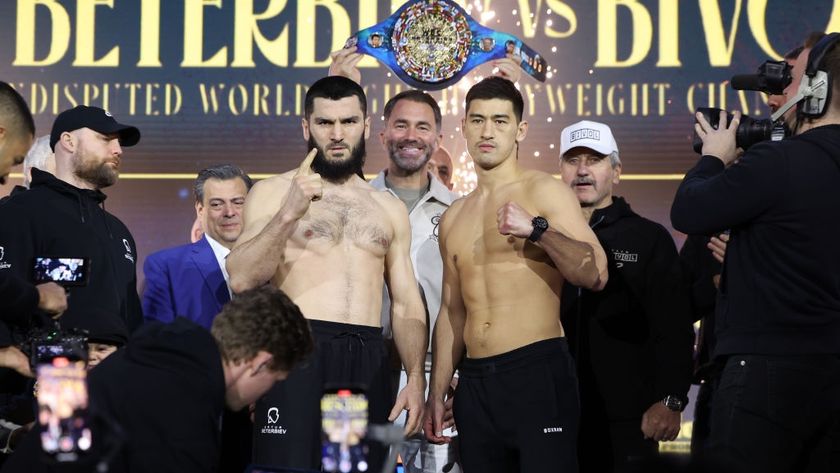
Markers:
(780, 285)
(156, 404)
(56, 219)
(632, 340)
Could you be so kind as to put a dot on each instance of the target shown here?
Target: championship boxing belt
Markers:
(431, 44)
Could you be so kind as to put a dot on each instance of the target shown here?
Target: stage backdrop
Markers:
(212, 81)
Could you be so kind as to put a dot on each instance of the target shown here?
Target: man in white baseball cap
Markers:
(638, 328)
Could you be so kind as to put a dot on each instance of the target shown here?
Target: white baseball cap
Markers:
(593, 135)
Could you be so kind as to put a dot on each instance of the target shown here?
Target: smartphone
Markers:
(344, 420)
(67, 271)
(63, 422)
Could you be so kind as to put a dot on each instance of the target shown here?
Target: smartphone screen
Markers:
(64, 271)
(62, 408)
(344, 417)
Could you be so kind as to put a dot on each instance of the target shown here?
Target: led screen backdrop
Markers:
(210, 81)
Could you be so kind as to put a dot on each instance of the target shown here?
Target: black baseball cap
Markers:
(95, 118)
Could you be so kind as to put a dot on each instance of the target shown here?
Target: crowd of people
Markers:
(532, 325)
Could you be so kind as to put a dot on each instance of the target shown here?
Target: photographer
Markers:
(776, 405)
(158, 402)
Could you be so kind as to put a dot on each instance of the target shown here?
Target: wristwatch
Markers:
(540, 226)
(674, 403)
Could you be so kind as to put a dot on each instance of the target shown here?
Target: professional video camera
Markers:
(771, 78)
(750, 131)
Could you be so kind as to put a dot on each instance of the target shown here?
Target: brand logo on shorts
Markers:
(271, 426)
(273, 415)
(553, 430)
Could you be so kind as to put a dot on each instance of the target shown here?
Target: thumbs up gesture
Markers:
(306, 187)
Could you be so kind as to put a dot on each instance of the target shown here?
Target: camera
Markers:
(772, 78)
(750, 131)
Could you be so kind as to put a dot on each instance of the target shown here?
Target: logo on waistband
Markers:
(553, 430)
(270, 427)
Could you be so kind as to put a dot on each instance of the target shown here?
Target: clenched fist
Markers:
(514, 220)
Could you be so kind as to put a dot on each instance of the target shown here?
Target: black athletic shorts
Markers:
(519, 411)
(287, 420)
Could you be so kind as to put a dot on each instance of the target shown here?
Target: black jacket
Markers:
(157, 403)
(780, 287)
(632, 340)
(56, 219)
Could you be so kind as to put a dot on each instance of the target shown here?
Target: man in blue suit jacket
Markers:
(190, 280)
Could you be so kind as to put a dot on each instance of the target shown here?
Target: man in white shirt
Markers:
(191, 280)
(411, 136)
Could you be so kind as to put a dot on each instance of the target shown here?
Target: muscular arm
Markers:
(448, 340)
(408, 315)
(408, 318)
(569, 242)
(261, 246)
(269, 223)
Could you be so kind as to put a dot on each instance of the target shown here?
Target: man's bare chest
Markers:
(345, 220)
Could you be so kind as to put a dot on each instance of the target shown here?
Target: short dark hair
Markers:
(222, 172)
(414, 96)
(334, 88)
(495, 87)
(14, 113)
(263, 319)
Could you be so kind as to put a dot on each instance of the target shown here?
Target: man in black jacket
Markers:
(19, 298)
(776, 406)
(633, 340)
(62, 216)
(157, 403)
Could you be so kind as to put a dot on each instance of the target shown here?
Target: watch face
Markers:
(431, 41)
(540, 223)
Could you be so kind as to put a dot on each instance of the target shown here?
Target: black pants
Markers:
(614, 446)
(519, 411)
(287, 420)
(776, 414)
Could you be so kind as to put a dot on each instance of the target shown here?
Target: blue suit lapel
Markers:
(214, 280)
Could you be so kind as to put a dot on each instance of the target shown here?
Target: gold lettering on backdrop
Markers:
(86, 34)
(641, 27)
(669, 34)
(720, 48)
(194, 36)
(54, 97)
(246, 28)
(149, 34)
(308, 31)
(26, 29)
(565, 11)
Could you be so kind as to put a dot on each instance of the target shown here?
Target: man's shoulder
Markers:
(173, 252)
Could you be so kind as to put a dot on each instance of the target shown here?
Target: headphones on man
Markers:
(815, 86)
(814, 92)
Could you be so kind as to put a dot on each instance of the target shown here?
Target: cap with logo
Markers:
(97, 120)
(586, 134)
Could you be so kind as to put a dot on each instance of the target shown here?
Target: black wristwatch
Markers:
(540, 226)
(674, 403)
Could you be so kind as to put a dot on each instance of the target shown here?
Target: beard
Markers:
(338, 170)
(97, 173)
(409, 165)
